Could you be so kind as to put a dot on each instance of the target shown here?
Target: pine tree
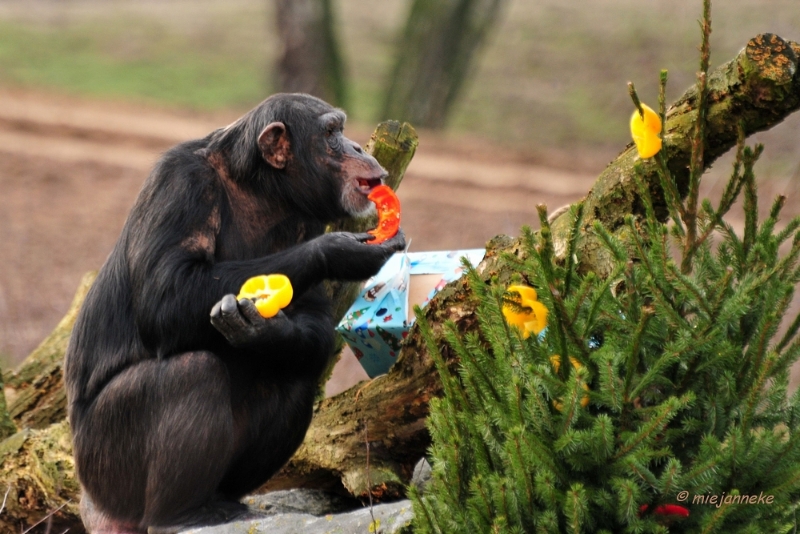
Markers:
(655, 401)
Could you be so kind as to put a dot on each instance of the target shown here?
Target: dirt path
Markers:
(70, 170)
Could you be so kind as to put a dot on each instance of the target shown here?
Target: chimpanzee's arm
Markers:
(241, 323)
(333, 256)
(304, 330)
(175, 280)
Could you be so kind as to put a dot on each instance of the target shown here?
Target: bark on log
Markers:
(760, 87)
(35, 390)
(38, 480)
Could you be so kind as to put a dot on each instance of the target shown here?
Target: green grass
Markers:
(103, 60)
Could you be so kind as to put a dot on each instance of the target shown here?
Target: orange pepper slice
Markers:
(388, 206)
(269, 292)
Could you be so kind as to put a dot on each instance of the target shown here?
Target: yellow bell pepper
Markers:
(534, 321)
(646, 131)
(269, 292)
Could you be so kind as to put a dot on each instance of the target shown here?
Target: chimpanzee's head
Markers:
(295, 144)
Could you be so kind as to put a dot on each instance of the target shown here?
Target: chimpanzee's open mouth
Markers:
(365, 185)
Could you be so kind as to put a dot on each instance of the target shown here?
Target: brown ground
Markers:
(70, 170)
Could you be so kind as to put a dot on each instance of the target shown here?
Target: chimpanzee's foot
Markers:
(215, 513)
(97, 522)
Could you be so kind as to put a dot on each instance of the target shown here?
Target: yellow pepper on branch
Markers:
(530, 315)
(646, 131)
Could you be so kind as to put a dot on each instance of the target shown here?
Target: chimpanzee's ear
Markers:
(274, 144)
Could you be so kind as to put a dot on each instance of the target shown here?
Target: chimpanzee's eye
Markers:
(335, 140)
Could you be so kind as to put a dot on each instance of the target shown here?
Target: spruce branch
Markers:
(608, 381)
(546, 257)
(754, 391)
(600, 296)
(696, 165)
(635, 98)
(664, 414)
(750, 156)
(672, 196)
(576, 212)
(662, 100)
(655, 280)
(691, 287)
(579, 298)
(634, 352)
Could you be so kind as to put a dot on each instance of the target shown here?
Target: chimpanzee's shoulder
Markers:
(191, 153)
(183, 164)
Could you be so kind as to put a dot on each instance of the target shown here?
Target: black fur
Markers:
(174, 418)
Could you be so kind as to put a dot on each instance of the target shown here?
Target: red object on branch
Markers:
(388, 206)
(667, 510)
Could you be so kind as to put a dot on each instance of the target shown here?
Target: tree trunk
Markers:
(310, 61)
(760, 87)
(434, 57)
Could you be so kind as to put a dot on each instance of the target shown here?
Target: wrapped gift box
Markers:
(379, 320)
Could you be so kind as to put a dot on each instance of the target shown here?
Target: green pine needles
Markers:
(683, 355)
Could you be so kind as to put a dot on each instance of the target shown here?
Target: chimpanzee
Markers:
(181, 398)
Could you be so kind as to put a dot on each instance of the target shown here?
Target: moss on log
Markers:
(38, 480)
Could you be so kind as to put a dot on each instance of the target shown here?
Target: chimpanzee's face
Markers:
(358, 172)
(328, 175)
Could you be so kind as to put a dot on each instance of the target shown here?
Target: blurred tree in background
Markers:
(434, 56)
(432, 59)
(310, 61)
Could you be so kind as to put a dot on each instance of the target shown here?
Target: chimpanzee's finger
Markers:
(363, 237)
(397, 242)
(219, 323)
(250, 312)
(231, 313)
(216, 310)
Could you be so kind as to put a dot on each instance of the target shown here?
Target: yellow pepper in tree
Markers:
(534, 320)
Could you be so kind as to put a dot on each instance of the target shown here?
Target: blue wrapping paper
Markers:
(376, 324)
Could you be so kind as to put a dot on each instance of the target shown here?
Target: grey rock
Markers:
(302, 501)
(391, 518)
(422, 475)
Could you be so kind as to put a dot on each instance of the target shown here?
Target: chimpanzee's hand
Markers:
(349, 256)
(242, 325)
